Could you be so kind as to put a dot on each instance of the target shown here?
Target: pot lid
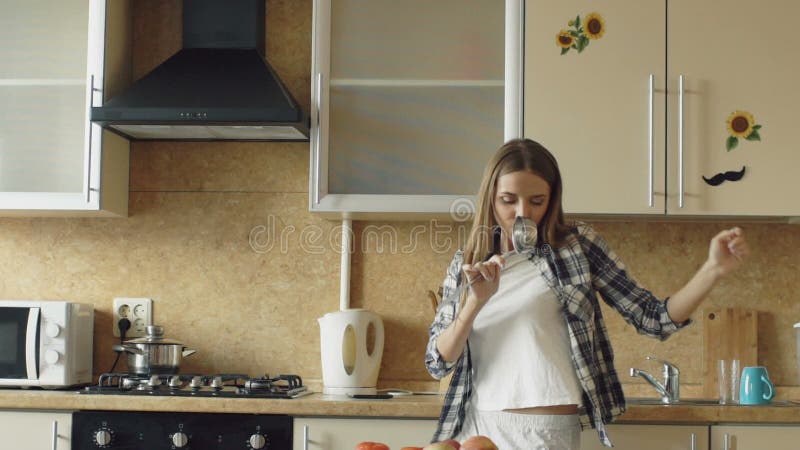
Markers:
(154, 335)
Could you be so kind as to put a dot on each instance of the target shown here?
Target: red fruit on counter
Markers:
(454, 443)
(371, 446)
(478, 443)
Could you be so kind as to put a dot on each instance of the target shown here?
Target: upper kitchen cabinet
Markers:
(408, 104)
(52, 160)
(655, 107)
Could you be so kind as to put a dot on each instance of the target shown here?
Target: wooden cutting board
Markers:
(728, 333)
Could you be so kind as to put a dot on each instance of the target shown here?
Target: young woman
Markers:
(531, 356)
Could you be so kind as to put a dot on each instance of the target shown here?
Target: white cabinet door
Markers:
(28, 430)
(755, 437)
(409, 103)
(344, 434)
(635, 138)
(650, 437)
(596, 110)
(51, 158)
(733, 56)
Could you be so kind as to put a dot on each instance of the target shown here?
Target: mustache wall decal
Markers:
(721, 177)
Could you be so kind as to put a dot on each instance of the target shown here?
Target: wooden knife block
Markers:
(728, 333)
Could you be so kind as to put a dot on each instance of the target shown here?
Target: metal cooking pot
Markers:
(153, 354)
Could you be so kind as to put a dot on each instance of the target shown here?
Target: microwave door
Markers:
(19, 343)
(32, 344)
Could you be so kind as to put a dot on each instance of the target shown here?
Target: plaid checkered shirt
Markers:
(576, 272)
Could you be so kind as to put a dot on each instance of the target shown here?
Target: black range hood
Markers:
(218, 87)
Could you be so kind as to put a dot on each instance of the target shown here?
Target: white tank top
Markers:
(520, 344)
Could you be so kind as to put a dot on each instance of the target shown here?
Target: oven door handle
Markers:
(30, 344)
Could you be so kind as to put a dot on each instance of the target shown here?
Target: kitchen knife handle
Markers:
(651, 143)
(680, 141)
(55, 435)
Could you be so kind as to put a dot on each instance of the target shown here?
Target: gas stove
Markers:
(197, 385)
(138, 430)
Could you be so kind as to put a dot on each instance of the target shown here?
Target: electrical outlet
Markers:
(138, 310)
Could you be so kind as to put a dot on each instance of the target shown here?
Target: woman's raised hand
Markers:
(727, 250)
(488, 278)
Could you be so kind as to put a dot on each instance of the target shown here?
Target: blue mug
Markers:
(755, 388)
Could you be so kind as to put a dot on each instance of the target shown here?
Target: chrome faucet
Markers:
(670, 388)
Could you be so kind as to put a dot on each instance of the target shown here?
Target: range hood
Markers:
(218, 87)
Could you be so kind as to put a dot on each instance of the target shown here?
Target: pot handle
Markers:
(121, 348)
(188, 352)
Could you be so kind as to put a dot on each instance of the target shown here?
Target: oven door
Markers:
(19, 343)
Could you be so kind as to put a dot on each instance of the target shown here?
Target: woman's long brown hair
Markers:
(514, 156)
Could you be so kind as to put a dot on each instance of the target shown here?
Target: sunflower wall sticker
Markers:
(741, 124)
(578, 37)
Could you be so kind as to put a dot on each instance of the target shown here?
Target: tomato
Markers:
(371, 446)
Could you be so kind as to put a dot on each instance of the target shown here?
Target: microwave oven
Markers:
(45, 343)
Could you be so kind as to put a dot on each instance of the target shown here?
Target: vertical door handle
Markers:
(305, 437)
(726, 442)
(54, 446)
(317, 144)
(693, 442)
(680, 141)
(89, 140)
(651, 142)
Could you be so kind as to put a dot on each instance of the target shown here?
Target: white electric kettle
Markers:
(348, 366)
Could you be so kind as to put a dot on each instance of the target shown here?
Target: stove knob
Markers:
(175, 381)
(154, 381)
(258, 441)
(197, 382)
(216, 383)
(102, 437)
(179, 439)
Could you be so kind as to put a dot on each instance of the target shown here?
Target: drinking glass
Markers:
(723, 381)
(735, 372)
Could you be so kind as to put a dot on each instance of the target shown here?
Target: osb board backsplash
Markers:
(219, 235)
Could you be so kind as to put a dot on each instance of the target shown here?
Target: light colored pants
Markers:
(512, 431)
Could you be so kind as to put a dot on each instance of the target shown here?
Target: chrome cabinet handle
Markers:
(726, 441)
(317, 144)
(89, 140)
(651, 142)
(55, 435)
(680, 141)
(693, 442)
(305, 437)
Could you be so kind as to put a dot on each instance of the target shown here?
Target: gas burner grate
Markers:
(200, 385)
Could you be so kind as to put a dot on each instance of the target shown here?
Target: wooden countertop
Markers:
(409, 406)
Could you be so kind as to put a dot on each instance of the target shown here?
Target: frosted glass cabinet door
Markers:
(43, 95)
(52, 71)
(411, 100)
